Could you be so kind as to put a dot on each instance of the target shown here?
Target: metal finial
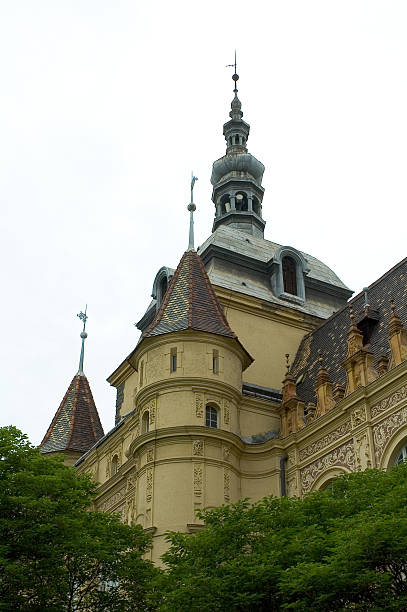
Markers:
(320, 358)
(83, 317)
(287, 363)
(351, 315)
(366, 294)
(191, 207)
(392, 306)
(235, 76)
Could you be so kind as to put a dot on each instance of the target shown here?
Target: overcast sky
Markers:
(107, 106)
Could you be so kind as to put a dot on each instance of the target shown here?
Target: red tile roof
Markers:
(190, 303)
(76, 425)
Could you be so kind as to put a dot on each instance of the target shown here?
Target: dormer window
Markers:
(163, 287)
(289, 275)
(288, 269)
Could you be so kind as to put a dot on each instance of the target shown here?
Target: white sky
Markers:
(107, 106)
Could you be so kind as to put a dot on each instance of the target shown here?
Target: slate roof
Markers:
(264, 250)
(190, 302)
(76, 425)
(331, 336)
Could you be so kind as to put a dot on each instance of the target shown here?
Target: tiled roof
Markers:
(331, 336)
(190, 302)
(76, 425)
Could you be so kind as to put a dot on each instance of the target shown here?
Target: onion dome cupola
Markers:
(76, 426)
(236, 177)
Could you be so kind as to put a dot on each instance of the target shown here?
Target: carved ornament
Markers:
(226, 485)
(343, 456)
(383, 431)
(358, 416)
(389, 402)
(199, 405)
(198, 478)
(149, 485)
(197, 447)
(313, 448)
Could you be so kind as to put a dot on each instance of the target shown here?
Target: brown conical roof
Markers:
(76, 425)
(190, 303)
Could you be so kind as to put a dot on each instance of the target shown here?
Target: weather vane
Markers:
(235, 76)
(191, 207)
(83, 317)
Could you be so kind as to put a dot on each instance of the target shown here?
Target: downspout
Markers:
(283, 461)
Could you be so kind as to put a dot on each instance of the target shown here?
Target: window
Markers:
(163, 287)
(215, 362)
(115, 465)
(145, 422)
(173, 360)
(402, 456)
(211, 417)
(289, 275)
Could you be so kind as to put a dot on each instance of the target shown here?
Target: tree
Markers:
(55, 553)
(339, 549)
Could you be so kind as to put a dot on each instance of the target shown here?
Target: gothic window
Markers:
(289, 275)
(115, 465)
(211, 416)
(402, 456)
(145, 422)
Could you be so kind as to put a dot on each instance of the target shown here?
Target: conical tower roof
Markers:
(190, 303)
(76, 425)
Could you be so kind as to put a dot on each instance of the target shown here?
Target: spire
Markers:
(191, 208)
(83, 317)
(76, 426)
(237, 176)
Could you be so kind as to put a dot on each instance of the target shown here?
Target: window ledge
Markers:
(291, 298)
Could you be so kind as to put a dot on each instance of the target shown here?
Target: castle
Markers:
(254, 374)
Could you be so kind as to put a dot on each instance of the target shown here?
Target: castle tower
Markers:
(76, 426)
(236, 177)
(186, 377)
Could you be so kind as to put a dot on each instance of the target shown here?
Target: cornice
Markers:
(196, 384)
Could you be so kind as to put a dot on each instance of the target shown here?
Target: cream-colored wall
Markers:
(267, 339)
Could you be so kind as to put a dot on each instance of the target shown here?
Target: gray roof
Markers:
(241, 279)
(264, 250)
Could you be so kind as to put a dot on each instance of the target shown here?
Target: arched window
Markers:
(289, 275)
(256, 206)
(402, 456)
(145, 422)
(115, 465)
(163, 287)
(241, 201)
(211, 416)
(225, 204)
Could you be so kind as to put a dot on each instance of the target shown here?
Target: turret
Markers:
(236, 177)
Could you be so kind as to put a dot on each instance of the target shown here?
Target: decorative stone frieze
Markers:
(198, 479)
(362, 452)
(197, 447)
(109, 504)
(343, 456)
(150, 455)
(358, 416)
(152, 409)
(383, 431)
(199, 405)
(292, 485)
(226, 412)
(389, 402)
(226, 485)
(313, 448)
(149, 485)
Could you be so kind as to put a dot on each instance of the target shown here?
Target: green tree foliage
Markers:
(56, 554)
(344, 548)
